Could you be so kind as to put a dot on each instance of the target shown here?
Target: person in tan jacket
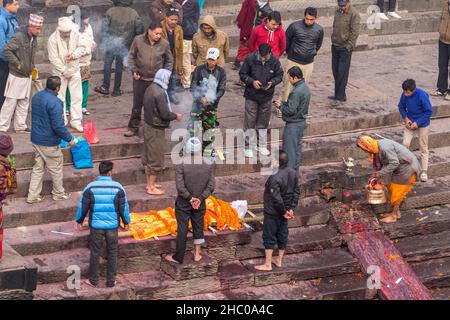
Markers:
(443, 90)
(148, 54)
(209, 37)
(173, 33)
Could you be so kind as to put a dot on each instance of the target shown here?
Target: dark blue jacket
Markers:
(8, 25)
(47, 120)
(106, 203)
(417, 108)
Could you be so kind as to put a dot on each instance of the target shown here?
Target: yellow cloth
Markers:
(369, 145)
(400, 191)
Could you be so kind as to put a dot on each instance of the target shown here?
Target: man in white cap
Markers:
(207, 87)
(64, 52)
(20, 51)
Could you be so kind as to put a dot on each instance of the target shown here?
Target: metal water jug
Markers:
(376, 193)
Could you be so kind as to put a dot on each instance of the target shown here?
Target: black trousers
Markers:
(275, 232)
(4, 72)
(184, 213)
(96, 241)
(139, 88)
(444, 74)
(118, 54)
(392, 4)
(341, 60)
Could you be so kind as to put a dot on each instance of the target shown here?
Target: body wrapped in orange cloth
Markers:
(163, 223)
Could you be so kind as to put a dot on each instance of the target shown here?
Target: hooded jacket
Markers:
(201, 43)
(253, 69)
(303, 42)
(157, 113)
(147, 58)
(159, 8)
(18, 52)
(8, 26)
(276, 39)
(191, 16)
(178, 39)
(121, 22)
(444, 26)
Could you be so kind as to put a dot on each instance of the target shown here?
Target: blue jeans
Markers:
(292, 142)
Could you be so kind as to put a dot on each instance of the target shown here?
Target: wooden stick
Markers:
(212, 229)
(255, 206)
(255, 217)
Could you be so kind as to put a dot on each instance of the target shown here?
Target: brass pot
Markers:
(375, 196)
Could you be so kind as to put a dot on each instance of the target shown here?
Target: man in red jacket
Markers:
(270, 32)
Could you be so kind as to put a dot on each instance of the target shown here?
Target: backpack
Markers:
(8, 176)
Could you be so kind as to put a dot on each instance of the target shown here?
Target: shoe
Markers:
(86, 112)
(447, 96)
(63, 197)
(263, 150)
(424, 176)
(31, 201)
(174, 100)
(337, 103)
(394, 15)
(117, 93)
(279, 113)
(111, 285)
(130, 133)
(89, 283)
(437, 93)
(26, 130)
(78, 128)
(101, 90)
(334, 98)
(248, 153)
(382, 16)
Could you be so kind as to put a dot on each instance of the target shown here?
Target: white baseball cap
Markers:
(193, 145)
(213, 53)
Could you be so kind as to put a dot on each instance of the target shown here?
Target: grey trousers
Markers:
(292, 142)
(97, 238)
(257, 117)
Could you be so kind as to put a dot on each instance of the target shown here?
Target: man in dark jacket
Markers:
(8, 25)
(148, 53)
(346, 28)
(105, 202)
(281, 195)
(207, 87)
(294, 113)
(120, 25)
(157, 117)
(304, 39)
(261, 72)
(47, 130)
(191, 16)
(20, 52)
(160, 7)
(195, 183)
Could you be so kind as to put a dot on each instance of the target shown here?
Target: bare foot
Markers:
(197, 257)
(170, 259)
(264, 267)
(155, 191)
(277, 262)
(390, 219)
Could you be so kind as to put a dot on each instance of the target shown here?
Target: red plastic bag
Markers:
(89, 133)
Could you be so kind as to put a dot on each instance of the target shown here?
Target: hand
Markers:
(136, 76)
(195, 202)
(268, 85)
(287, 215)
(204, 102)
(78, 226)
(180, 71)
(93, 46)
(72, 143)
(179, 117)
(257, 84)
(407, 122)
(127, 227)
(277, 104)
(68, 58)
(414, 126)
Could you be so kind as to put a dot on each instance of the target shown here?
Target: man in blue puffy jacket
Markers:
(106, 203)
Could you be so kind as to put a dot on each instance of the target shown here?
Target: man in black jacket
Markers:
(261, 72)
(281, 196)
(207, 87)
(191, 16)
(303, 41)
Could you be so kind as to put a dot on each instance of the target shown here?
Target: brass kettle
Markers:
(376, 193)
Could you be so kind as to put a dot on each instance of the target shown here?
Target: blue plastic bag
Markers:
(81, 155)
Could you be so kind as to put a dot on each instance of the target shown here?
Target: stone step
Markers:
(424, 247)
(441, 293)
(420, 222)
(191, 269)
(434, 273)
(17, 275)
(342, 287)
(159, 285)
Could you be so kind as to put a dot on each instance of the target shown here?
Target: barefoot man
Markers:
(195, 183)
(281, 196)
(390, 157)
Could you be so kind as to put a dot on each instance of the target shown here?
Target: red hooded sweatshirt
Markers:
(276, 39)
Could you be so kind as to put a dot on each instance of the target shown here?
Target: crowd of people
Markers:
(182, 48)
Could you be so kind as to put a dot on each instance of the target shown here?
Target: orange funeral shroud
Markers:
(163, 222)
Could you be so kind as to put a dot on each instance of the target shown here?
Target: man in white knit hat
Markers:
(20, 51)
(64, 52)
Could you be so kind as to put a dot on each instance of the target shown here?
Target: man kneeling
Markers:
(281, 196)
